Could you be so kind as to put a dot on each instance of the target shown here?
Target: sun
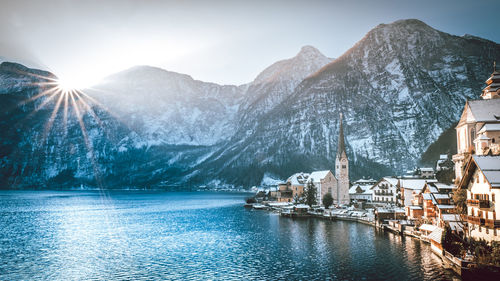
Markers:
(67, 85)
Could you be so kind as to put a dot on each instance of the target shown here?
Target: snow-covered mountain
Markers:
(171, 108)
(399, 88)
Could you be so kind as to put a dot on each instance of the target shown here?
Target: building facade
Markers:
(325, 182)
(482, 180)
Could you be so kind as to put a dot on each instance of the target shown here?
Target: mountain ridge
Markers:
(167, 129)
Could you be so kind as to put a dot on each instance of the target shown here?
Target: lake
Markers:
(123, 235)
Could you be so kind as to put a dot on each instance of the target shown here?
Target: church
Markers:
(341, 196)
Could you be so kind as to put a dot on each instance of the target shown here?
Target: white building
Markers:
(325, 182)
(385, 190)
(409, 188)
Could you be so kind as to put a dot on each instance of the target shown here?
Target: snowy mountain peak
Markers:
(310, 52)
(306, 62)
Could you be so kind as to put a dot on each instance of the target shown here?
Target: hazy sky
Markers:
(217, 41)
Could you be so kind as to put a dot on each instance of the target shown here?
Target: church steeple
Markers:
(341, 149)
(342, 169)
(492, 90)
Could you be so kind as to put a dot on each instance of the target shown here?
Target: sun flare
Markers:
(68, 85)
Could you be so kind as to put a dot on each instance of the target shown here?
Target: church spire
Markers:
(341, 149)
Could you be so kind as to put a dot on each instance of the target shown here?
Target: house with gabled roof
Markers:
(481, 178)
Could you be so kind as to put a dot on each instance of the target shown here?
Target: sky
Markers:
(226, 42)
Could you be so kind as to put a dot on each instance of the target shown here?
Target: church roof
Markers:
(485, 110)
(341, 149)
(490, 128)
(318, 175)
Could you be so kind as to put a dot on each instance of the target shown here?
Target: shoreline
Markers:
(450, 262)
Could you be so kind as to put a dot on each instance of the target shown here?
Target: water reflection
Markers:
(188, 236)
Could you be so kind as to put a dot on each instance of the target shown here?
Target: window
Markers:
(343, 166)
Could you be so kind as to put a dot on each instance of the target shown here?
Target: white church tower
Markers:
(342, 170)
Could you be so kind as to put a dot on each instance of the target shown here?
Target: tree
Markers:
(327, 200)
(310, 194)
(460, 198)
(446, 173)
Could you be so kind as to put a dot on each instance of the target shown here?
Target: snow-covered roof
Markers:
(485, 110)
(490, 128)
(441, 196)
(366, 189)
(450, 217)
(456, 226)
(443, 156)
(427, 196)
(480, 138)
(428, 227)
(316, 176)
(415, 184)
(298, 178)
(432, 188)
(427, 169)
(443, 206)
(364, 181)
(443, 186)
(490, 166)
(416, 207)
(436, 235)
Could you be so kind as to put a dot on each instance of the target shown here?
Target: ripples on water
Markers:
(147, 235)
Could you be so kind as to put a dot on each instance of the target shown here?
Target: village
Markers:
(452, 205)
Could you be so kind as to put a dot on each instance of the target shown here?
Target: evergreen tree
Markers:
(327, 200)
(310, 194)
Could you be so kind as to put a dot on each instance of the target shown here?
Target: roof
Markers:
(436, 235)
(490, 128)
(318, 175)
(481, 137)
(450, 217)
(432, 188)
(360, 181)
(298, 178)
(490, 166)
(441, 196)
(415, 184)
(427, 169)
(428, 227)
(485, 110)
(365, 187)
(341, 149)
(443, 156)
(427, 196)
(456, 226)
(442, 206)
(416, 207)
(443, 186)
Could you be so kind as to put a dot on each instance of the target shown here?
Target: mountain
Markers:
(171, 108)
(399, 88)
(144, 126)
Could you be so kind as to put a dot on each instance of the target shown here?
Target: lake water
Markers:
(123, 235)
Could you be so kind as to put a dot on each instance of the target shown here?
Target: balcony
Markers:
(379, 193)
(492, 223)
(482, 204)
(476, 220)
